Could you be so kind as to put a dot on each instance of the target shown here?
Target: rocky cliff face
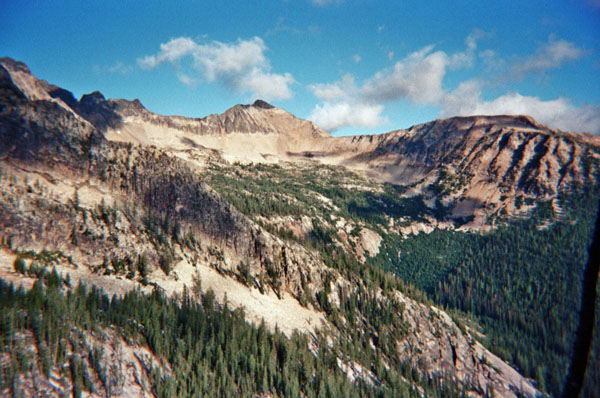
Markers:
(481, 165)
(515, 152)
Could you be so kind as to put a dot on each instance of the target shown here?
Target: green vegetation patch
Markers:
(323, 191)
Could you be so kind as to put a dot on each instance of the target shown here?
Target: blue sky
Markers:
(351, 66)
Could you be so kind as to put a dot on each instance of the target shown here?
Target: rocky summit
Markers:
(254, 247)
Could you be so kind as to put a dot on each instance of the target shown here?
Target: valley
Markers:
(253, 254)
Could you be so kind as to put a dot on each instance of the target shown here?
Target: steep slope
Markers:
(123, 216)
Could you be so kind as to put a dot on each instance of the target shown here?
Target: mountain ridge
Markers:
(507, 158)
(96, 97)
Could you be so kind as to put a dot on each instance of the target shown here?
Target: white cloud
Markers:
(332, 116)
(343, 90)
(266, 85)
(380, 28)
(120, 67)
(390, 55)
(169, 52)
(464, 59)
(417, 77)
(491, 61)
(487, 54)
(558, 113)
(241, 65)
(356, 58)
(185, 79)
(548, 56)
(343, 106)
(218, 60)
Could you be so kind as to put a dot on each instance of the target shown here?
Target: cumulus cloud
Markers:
(342, 90)
(171, 51)
(343, 106)
(332, 116)
(491, 61)
(464, 59)
(241, 66)
(185, 79)
(417, 77)
(550, 55)
(265, 85)
(221, 60)
(558, 113)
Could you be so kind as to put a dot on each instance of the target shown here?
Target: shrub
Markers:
(166, 262)
(20, 265)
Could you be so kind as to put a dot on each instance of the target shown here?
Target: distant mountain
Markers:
(480, 164)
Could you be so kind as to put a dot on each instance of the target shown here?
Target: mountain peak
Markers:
(92, 98)
(65, 95)
(14, 65)
(260, 117)
(262, 104)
